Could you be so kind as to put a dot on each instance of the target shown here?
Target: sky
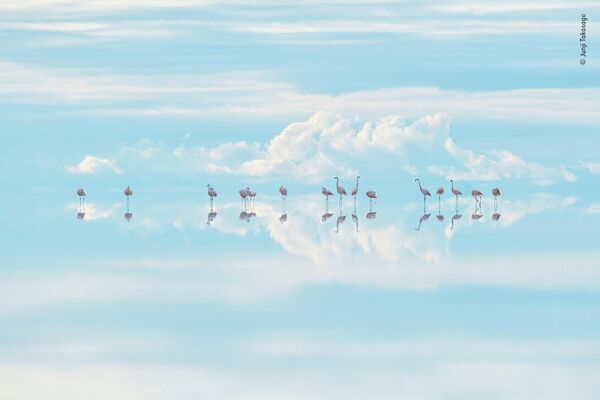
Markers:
(168, 295)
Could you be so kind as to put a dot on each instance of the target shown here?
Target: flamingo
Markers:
(372, 196)
(212, 193)
(340, 189)
(476, 193)
(128, 193)
(252, 196)
(284, 193)
(424, 217)
(244, 196)
(496, 193)
(355, 190)
(440, 191)
(424, 191)
(456, 193)
(81, 194)
(326, 193)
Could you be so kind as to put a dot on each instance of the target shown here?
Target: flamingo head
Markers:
(336, 178)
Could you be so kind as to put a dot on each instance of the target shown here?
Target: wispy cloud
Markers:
(254, 95)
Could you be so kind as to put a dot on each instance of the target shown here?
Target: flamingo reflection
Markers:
(340, 220)
(455, 217)
(371, 215)
(326, 216)
(423, 218)
(283, 218)
(496, 216)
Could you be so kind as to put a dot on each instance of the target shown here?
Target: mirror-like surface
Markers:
(211, 254)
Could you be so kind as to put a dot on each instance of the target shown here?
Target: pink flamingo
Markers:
(372, 196)
(244, 195)
(496, 193)
(212, 193)
(252, 196)
(456, 193)
(340, 189)
(355, 190)
(440, 191)
(476, 193)
(128, 192)
(284, 194)
(326, 193)
(424, 191)
(81, 194)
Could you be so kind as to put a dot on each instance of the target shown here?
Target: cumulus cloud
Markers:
(330, 144)
(93, 165)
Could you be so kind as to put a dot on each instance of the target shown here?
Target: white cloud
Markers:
(593, 209)
(329, 144)
(593, 167)
(94, 165)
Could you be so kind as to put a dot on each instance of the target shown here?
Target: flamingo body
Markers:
(326, 192)
(283, 191)
(128, 192)
(371, 194)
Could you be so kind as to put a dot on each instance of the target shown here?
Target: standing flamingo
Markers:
(477, 194)
(424, 191)
(372, 196)
(456, 193)
(326, 193)
(212, 193)
(340, 189)
(252, 196)
(355, 190)
(284, 193)
(496, 193)
(440, 191)
(244, 195)
(81, 194)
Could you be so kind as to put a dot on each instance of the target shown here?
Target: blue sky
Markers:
(168, 96)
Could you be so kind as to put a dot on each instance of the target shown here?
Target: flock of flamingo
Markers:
(248, 196)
